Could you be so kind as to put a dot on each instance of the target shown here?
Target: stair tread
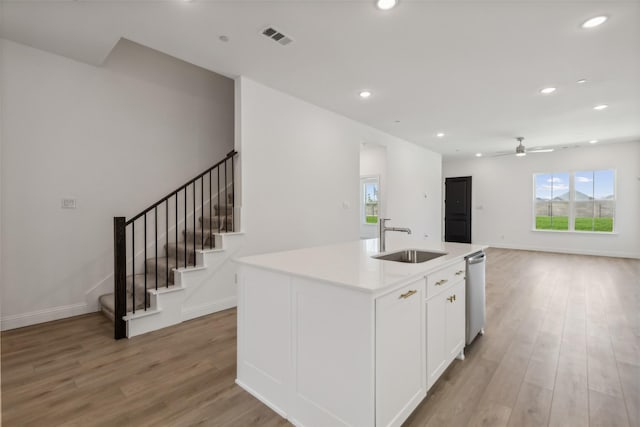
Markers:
(107, 303)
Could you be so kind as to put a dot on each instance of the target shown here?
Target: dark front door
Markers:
(457, 210)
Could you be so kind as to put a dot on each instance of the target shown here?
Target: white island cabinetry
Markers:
(400, 353)
(330, 336)
(445, 319)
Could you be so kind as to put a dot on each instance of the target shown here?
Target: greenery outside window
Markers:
(579, 201)
(370, 192)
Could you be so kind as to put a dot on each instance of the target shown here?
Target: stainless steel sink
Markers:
(410, 256)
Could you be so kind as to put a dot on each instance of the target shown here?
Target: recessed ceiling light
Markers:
(581, 81)
(223, 38)
(594, 22)
(365, 94)
(386, 4)
(593, 141)
(439, 134)
(601, 107)
(547, 90)
(478, 154)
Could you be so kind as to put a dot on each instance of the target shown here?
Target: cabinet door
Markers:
(455, 321)
(436, 338)
(400, 355)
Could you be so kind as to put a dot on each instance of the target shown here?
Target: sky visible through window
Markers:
(592, 184)
(371, 192)
(595, 184)
(550, 186)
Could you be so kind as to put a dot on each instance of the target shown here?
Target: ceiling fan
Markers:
(522, 151)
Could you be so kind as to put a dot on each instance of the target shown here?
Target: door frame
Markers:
(362, 224)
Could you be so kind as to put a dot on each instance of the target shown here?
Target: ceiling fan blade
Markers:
(502, 154)
(541, 150)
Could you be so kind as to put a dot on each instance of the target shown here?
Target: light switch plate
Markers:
(68, 203)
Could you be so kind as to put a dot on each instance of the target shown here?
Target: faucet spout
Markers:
(383, 229)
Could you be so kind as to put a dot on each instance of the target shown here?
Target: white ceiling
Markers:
(471, 69)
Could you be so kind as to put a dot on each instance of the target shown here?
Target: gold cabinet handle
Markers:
(452, 298)
(441, 282)
(408, 294)
(459, 272)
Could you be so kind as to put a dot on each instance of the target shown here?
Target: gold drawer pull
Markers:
(459, 272)
(408, 294)
(441, 282)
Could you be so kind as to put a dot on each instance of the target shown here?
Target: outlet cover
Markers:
(68, 203)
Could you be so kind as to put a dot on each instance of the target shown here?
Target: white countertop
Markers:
(351, 264)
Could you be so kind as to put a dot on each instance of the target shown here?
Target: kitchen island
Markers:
(331, 336)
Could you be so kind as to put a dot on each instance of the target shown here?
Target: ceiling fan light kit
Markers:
(520, 150)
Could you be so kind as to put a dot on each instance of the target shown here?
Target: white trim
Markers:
(566, 250)
(14, 321)
(264, 400)
(209, 308)
(140, 313)
(598, 233)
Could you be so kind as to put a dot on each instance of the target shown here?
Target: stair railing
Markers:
(172, 213)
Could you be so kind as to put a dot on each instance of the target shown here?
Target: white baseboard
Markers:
(189, 313)
(565, 250)
(40, 316)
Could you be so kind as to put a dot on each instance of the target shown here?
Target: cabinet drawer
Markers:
(440, 280)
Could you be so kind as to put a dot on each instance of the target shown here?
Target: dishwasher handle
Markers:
(476, 258)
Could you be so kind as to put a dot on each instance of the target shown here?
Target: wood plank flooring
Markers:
(562, 348)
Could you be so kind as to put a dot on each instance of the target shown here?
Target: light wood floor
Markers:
(562, 348)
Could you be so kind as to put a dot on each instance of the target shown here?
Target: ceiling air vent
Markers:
(277, 36)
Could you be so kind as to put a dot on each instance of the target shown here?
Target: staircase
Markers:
(208, 229)
(168, 267)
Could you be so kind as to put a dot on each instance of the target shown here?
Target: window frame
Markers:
(364, 180)
(572, 207)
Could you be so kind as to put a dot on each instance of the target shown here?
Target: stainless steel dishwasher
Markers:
(475, 295)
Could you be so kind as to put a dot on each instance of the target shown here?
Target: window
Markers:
(370, 192)
(579, 201)
(552, 201)
(594, 200)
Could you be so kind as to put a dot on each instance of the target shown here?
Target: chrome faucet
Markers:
(384, 229)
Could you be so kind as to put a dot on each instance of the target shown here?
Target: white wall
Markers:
(503, 203)
(117, 138)
(300, 174)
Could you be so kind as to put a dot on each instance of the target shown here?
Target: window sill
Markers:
(600, 233)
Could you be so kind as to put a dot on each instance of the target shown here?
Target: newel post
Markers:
(120, 276)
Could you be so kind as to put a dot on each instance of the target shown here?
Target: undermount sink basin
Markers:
(410, 256)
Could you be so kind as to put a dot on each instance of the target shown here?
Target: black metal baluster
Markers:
(166, 235)
(176, 242)
(226, 197)
(145, 263)
(233, 197)
(194, 222)
(185, 226)
(155, 223)
(218, 198)
(202, 211)
(133, 265)
(211, 240)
